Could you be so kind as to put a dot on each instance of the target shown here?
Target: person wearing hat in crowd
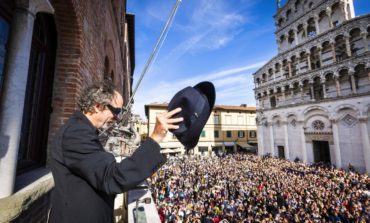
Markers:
(86, 176)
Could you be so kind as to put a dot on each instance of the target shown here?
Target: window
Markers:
(216, 119)
(252, 134)
(273, 102)
(241, 134)
(203, 149)
(228, 134)
(38, 97)
(4, 34)
(216, 133)
(203, 134)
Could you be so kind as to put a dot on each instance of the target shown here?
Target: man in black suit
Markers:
(86, 177)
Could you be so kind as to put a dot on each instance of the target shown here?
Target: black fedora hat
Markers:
(196, 103)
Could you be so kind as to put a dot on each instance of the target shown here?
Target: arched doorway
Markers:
(321, 151)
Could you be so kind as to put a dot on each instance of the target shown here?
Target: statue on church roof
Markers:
(278, 4)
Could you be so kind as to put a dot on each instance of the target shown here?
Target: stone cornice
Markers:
(314, 102)
(348, 63)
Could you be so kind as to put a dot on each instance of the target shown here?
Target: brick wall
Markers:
(87, 33)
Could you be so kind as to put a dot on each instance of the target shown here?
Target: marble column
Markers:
(338, 157)
(268, 99)
(328, 13)
(364, 37)
(296, 37)
(337, 85)
(16, 73)
(343, 9)
(286, 140)
(348, 46)
(302, 93)
(272, 149)
(261, 150)
(316, 19)
(303, 141)
(365, 142)
(333, 52)
(283, 95)
(290, 68)
(292, 94)
(312, 92)
(324, 89)
(309, 60)
(353, 83)
(305, 26)
(320, 55)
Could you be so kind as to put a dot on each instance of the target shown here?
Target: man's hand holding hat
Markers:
(164, 122)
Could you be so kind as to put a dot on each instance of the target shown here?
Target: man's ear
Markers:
(98, 107)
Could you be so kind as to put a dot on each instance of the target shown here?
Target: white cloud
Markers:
(212, 26)
(233, 85)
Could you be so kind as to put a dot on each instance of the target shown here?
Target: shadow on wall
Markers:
(4, 145)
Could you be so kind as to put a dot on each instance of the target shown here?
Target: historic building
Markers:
(49, 51)
(229, 129)
(313, 98)
(141, 127)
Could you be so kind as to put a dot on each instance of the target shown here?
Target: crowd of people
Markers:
(250, 188)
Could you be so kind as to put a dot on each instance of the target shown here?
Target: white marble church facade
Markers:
(313, 98)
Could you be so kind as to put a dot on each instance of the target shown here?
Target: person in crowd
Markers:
(249, 188)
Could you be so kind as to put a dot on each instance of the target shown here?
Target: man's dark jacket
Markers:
(87, 177)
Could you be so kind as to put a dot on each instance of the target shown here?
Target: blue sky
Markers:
(222, 41)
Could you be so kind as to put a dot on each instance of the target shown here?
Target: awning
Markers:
(252, 141)
(168, 150)
(229, 143)
(244, 145)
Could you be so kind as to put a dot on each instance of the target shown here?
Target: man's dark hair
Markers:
(100, 93)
